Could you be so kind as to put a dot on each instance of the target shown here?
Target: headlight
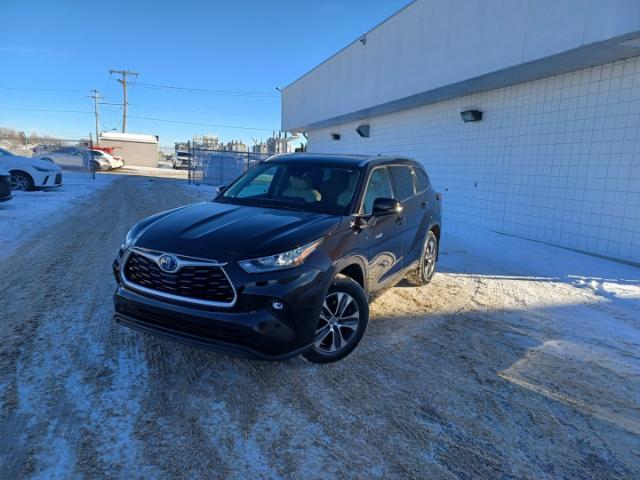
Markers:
(289, 259)
(128, 240)
(42, 169)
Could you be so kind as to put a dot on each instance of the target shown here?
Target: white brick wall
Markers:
(556, 159)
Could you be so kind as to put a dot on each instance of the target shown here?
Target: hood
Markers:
(227, 232)
(16, 161)
(36, 162)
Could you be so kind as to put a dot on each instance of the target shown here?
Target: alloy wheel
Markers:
(19, 183)
(429, 257)
(339, 319)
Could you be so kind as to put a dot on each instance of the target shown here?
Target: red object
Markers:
(109, 150)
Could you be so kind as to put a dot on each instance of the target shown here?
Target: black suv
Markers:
(283, 261)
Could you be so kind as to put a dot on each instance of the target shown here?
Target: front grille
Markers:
(202, 282)
(58, 179)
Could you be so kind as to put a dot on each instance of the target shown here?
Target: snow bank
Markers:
(495, 254)
(29, 213)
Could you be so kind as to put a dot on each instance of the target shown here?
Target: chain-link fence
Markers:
(70, 154)
(34, 145)
(219, 167)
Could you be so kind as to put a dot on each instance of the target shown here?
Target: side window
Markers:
(379, 186)
(422, 179)
(403, 182)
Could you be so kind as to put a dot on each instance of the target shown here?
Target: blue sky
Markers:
(54, 52)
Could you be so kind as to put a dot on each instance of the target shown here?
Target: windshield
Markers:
(302, 186)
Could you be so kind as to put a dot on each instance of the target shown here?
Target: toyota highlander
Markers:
(283, 261)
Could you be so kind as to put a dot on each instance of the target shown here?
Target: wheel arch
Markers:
(353, 268)
(435, 228)
(14, 171)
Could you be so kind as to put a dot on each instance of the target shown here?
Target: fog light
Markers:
(277, 305)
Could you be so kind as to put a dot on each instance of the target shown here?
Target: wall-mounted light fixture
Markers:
(363, 130)
(335, 136)
(471, 115)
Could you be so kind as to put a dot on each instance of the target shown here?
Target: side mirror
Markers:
(387, 206)
(220, 189)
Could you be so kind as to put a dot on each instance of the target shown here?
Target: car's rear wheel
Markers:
(343, 320)
(427, 266)
(21, 182)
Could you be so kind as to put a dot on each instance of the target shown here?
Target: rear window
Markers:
(403, 182)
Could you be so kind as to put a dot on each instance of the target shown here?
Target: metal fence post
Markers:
(190, 164)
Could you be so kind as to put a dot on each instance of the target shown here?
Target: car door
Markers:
(414, 209)
(385, 244)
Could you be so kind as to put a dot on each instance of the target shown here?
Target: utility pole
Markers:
(96, 96)
(123, 82)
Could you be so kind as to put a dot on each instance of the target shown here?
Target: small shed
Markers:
(134, 148)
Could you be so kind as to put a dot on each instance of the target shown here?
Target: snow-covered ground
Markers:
(30, 212)
(519, 360)
(158, 172)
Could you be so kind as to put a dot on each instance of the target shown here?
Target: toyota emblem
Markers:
(168, 263)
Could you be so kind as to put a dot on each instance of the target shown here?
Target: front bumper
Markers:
(49, 180)
(252, 328)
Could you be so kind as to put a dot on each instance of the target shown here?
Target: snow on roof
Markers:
(129, 137)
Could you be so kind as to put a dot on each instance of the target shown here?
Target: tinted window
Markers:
(422, 179)
(295, 185)
(379, 186)
(403, 182)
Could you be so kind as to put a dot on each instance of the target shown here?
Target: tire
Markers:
(338, 335)
(427, 266)
(21, 182)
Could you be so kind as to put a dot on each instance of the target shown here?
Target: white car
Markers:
(30, 173)
(68, 157)
(105, 161)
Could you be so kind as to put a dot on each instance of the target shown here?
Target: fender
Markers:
(350, 261)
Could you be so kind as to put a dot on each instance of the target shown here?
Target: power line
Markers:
(29, 109)
(66, 90)
(231, 93)
(153, 119)
(202, 124)
(174, 109)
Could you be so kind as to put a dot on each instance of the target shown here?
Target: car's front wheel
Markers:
(21, 182)
(343, 320)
